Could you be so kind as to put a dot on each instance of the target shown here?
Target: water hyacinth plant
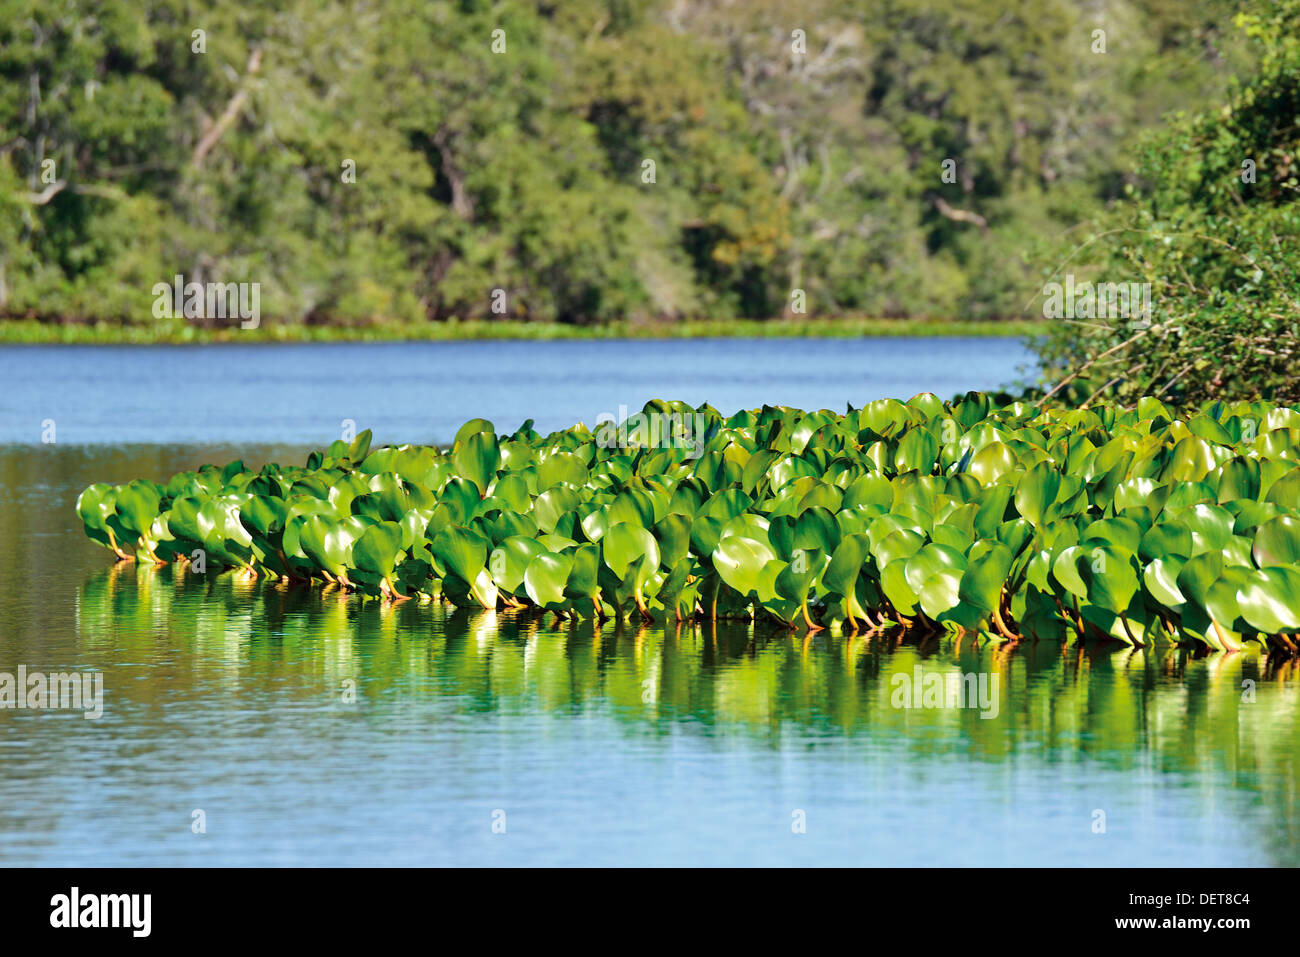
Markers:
(1008, 520)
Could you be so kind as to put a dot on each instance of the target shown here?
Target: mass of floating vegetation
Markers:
(1008, 520)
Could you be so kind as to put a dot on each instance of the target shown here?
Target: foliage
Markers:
(1010, 520)
(523, 170)
(1214, 227)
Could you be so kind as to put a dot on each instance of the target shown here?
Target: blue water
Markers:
(610, 746)
(424, 391)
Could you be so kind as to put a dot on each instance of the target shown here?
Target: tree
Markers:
(1213, 226)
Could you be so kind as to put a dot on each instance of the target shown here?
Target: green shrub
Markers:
(1214, 227)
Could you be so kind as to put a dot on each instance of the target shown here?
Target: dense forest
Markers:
(402, 160)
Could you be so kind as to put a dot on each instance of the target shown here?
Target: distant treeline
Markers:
(579, 161)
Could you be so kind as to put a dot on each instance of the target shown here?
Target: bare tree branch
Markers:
(960, 215)
(231, 112)
(461, 202)
(47, 194)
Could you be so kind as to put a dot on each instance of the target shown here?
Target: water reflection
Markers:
(189, 639)
(655, 745)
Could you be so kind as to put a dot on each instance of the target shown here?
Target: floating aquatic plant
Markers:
(1008, 520)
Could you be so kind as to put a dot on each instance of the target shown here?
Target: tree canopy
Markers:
(1212, 225)
(411, 160)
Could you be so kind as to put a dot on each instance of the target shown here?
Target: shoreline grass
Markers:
(34, 332)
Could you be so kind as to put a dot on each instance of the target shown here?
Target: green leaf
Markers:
(561, 468)
(546, 578)
(476, 459)
(1036, 491)
(1277, 542)
(625, 543)
(981, 583)
(740, 560)
(461, 551)
(378, 549)
(1161, 580)
(509, 560)
(1270, 600)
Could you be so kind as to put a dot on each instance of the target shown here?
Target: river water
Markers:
(255, 724)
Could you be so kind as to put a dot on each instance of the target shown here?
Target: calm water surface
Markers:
(613, 745)
(424, 391)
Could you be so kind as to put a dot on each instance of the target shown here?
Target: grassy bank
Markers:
(31, 331)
